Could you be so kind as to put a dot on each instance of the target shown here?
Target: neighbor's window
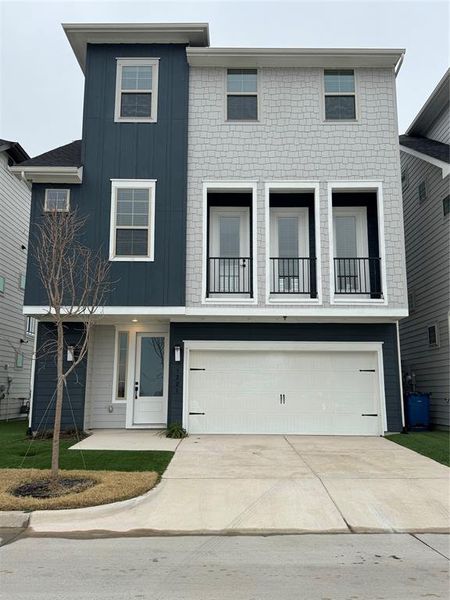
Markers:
(422, 191)
(19, 360)
(411, 301)
(132, 220)
(22, 281)
(340, 95)
(2, 284)
(136, 90)
(433, 336)
(446, 205)
(121, 364)
(30, 327)
(242, 95)
(57, 200)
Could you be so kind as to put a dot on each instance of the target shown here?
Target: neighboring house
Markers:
(425, 159)
(16, 331)
(250, 202)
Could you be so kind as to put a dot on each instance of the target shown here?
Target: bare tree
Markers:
(75, 279)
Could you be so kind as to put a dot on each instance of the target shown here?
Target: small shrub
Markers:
(175, 431)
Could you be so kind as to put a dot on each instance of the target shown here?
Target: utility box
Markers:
(418, 411)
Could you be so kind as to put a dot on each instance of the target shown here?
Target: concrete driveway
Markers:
(279, 484)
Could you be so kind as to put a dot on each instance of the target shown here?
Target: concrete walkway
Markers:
(277, 484)
(126, 439)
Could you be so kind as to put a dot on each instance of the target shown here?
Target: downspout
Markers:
(402, 402)
(33, 369)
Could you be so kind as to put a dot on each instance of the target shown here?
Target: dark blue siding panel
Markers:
(43, 411)
(132, 151)
(312, 332)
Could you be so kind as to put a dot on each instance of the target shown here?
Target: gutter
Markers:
(399, 63)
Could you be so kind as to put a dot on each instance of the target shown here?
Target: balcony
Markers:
(294, 276)
(230, 276)
(358, 276)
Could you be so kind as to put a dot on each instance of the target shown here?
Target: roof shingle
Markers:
(426, 146)
(64, 156)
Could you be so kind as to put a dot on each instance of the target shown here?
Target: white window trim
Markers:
(257, 93)
(115, 399)
(357, 119)
(131, 62)
(47, 209)
(236, 186)
(354, 186)
(149, 184)
(377, 347)
(294, 186)
(438, 340)
(29, 331)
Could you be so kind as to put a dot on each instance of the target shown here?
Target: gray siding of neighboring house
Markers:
(113, 150)
(427, 234)
(339, 332)
(15, 199)
(99, 386)
(440, 130)
(292, 142)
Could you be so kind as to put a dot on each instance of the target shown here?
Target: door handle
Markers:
(282, 399)
(136, 389)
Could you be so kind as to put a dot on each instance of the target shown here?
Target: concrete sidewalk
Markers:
(277, 484)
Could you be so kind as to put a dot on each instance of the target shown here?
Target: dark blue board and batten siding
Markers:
(44, 389)
(132, 151)
(327, 332)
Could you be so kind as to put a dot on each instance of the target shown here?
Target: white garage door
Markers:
(279, 391)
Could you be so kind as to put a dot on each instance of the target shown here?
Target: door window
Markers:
(151, 380)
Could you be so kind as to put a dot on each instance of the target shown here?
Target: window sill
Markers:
(358, 300)
(132, 120)
(237, 300)
(341, 122)
(243, 122)
(293, 299)
(131, 259)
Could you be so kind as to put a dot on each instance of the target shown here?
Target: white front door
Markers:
(276, 391)
(150, 383)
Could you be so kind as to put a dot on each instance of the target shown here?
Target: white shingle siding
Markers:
(440, 130)
(428, 265)
(292, 142)
(15, 201)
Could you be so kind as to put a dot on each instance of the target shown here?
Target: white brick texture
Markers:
(291, 142)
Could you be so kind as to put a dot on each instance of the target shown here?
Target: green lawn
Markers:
(434, 444)
(19, 452)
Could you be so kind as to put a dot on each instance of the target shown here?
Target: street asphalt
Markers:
(290, 567)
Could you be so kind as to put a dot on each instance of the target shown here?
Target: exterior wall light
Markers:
(177, 353)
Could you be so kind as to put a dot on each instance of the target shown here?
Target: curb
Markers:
(14, 518)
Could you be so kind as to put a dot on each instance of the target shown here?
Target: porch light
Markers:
(134, 320)
(177, 352)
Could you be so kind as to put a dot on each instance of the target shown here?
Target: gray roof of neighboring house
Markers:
(426, 146)
(14, 150)
(64, 156)
(437, 101)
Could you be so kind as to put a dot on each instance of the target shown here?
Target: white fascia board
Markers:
(48, 174)
(445, 167)
(82, 34)
(30, 310)
(294, 57)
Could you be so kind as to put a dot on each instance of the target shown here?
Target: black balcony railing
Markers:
(230, 275)
(358, 276)
(293, 276)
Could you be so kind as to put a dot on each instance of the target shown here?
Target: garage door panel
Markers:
(324, 392)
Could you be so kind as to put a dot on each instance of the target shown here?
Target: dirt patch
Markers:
(104, 487)
(51, 488)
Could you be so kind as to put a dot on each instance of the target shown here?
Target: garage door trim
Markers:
(230, 345)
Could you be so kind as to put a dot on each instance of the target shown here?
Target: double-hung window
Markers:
(30, 327)
(242, 95)
(136, 90)
(132, 219)
(56, 200)
(340, 95)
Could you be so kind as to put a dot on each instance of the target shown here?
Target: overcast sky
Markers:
(41, 85)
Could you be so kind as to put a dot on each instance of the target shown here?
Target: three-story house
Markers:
(250, 203)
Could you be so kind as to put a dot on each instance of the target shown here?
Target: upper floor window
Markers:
(2, 284)
(132, 219)
(242, 95)
(433, 336)
(422, 191)
(136, 90)
(340, 95)
(22, 281)
(405, 179)
(446, 205)
(57, 200)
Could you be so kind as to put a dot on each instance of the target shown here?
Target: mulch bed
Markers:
(31, 489)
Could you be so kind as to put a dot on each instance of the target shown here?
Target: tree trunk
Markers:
(59, 399)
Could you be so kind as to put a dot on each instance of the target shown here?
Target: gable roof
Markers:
(433, 107)
(68, 155)
(14, 150)
(423, 145)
